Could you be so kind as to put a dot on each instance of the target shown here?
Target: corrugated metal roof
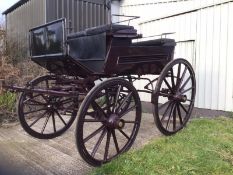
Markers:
(21, 2)
(13, 7)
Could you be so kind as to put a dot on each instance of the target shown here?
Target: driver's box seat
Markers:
(89, 46)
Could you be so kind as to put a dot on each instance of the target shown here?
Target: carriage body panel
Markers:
(105, 51)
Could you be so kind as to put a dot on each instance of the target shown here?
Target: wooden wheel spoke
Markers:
(98, 108)
(107, 145)
(34, 101)
(172, 78)
(107, 101)
(54, 123)
(168, 85)
(124, 101)
(171, 112)
(30, 95)
(174, 118)
(33, 123)
(182, 78)
(93, 120)
(44, 97)
(185, 110)
(92, 114)
(60, 117)
(124, 134)
(189, 100)
(94, 133)
(116, 98)
(45, 124)
(185, 83)
(38, 110)
(184, 91)
(166, 111)
(70, 107)
(33, 104)
(127, 111)
(47, 83)
(179, 114)
(163, 105)
(178, 74)
(97, 145)
(115, 141)
(66, 100)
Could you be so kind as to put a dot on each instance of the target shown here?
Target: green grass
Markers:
(7, 101)
(204, 147)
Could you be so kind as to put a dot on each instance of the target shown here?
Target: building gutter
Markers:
(185, 11)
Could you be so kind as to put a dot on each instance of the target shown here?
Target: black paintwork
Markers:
(104, 51)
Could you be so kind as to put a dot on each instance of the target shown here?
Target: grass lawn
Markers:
(204, 147)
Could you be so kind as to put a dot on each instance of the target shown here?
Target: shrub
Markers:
(7, 101)
(7, 107)
(15, 69)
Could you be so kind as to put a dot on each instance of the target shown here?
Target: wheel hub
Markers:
(114, 122)
(179, 98)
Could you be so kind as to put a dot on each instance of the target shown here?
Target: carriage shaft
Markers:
(42, 91)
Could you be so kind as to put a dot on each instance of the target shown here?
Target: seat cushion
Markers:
(156, 42)
(99, 29)
(107, 28)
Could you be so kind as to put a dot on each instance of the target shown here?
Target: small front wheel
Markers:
(109, 120)
(174, 96)
(46, 116)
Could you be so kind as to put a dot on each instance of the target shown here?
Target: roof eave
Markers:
(15, 6)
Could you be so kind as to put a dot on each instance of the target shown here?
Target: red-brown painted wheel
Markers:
(109, 120)
(43, 116)
(174, 96)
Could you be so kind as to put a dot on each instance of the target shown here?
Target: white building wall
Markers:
(204, 34)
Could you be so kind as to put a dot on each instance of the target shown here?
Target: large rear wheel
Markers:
(109, 120)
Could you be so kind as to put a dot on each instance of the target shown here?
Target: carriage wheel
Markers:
(108, 122)
(174, 96)
(44, 116)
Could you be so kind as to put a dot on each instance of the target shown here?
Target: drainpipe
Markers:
(115, 9)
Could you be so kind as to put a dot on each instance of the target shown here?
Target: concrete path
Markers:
(22, 154)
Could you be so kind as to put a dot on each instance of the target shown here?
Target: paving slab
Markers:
(21, 154)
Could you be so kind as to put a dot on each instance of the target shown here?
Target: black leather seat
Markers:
(156, 42)
(99, 29)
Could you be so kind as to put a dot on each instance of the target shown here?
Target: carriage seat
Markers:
(99, 29)
(156, 42)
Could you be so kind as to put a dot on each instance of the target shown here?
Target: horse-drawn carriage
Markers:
(91, 76)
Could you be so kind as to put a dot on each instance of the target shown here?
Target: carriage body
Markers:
(48, 105)
(104, 51)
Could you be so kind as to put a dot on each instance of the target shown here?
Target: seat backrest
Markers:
(88, 47)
